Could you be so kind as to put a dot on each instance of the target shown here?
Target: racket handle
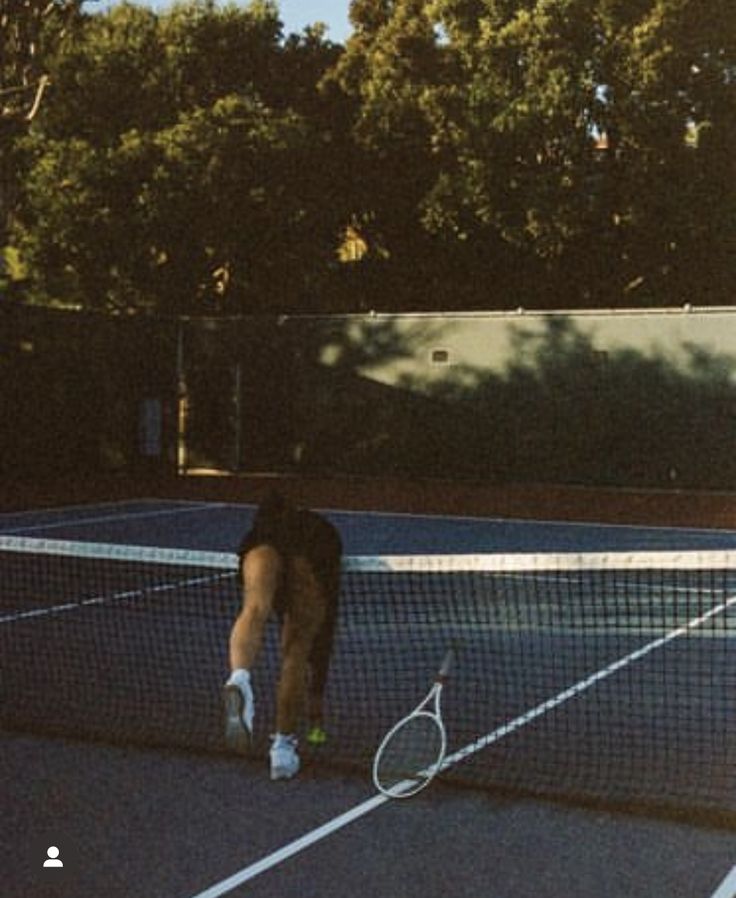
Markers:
(446, 664)
(455, 646)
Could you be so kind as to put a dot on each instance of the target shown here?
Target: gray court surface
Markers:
(133, 822)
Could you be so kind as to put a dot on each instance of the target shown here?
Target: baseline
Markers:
(109, 518)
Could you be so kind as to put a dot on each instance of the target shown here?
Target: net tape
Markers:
(682, 560)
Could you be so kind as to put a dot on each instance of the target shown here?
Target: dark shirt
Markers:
(297, 532)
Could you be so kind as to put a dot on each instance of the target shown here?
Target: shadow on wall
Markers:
(562, 411)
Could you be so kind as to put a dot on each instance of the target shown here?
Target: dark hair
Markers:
(273, 508)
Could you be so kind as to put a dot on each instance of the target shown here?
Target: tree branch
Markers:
(43, 83)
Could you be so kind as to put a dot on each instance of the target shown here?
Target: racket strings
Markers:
(410, 755)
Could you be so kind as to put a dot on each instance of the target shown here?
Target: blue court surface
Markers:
(144, 823)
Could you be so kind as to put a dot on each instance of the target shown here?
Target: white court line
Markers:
(58, 510)
(237, 879)
(727, 888)
(585, 684)
(137, 593)
(66, 509)
(536, 522)
(555, 523)
(102, 519)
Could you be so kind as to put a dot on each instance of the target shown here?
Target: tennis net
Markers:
(589, 677)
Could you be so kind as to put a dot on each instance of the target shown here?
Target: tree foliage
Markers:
(574, 148)
(179, 166)
(29, 31)
(477, 153)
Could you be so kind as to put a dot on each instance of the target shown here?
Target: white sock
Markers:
(240, 678)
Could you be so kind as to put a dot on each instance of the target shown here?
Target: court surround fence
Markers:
(631, 399)
(634, 399)
(85, 394)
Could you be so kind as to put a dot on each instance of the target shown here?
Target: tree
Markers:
(28, 30)
(391, 64)
(181, 166)
(558, 142)
(476, 153)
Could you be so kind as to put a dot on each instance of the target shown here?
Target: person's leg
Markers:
(319, 659)
(305, 614)
(261, 577)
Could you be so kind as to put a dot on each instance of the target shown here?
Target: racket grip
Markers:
(449, 658)
(446, 663)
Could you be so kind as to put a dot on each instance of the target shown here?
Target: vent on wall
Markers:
(440, 357)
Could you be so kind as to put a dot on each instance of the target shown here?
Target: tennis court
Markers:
(596, 670)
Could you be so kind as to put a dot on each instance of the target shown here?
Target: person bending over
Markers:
(290, 565)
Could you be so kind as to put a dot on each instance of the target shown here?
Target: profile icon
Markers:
(53, 860)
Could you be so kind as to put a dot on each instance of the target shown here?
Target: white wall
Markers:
(438, 346)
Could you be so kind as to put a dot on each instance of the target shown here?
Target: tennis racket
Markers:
(411, 753)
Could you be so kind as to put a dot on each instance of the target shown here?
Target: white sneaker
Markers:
(239, 711)
(284, 759)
